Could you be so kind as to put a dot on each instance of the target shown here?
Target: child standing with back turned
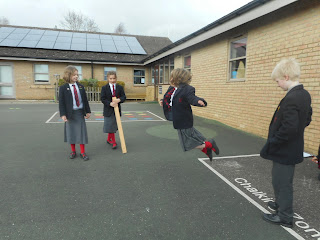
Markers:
(74, 108)
(176, 104)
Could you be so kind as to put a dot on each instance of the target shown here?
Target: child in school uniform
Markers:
(107, 92)
(74, 108)
(176, 104)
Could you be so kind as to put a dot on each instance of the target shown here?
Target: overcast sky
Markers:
(168, 18)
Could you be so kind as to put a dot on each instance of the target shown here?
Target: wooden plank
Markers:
(121, 135)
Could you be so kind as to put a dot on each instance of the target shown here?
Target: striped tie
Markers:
(76, 95)
(114, 91)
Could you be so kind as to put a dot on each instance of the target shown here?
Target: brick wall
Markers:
(26, 88)
(249, 105)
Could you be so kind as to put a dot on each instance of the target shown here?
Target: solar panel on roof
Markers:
(10, 42)
(25, 43)
(42, 44)
(48, 38)
(124, 49)
(4, 34)
(51, 33)
(79, 35)
(61, 40)
(94, 48)
(32, 37)
(6, 30)
(36, 32)
(62, 46)
(16, 36)
(79, 47)
(21, 30)
(79, 40)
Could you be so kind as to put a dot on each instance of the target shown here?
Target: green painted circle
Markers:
(168, 132)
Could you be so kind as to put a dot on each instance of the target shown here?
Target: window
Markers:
(187, 63)
(6, 82)
(139, 76)
(166, 72)
(237, 62)
(79, 68)
(161, 73)
(41, 73)
(106, 70)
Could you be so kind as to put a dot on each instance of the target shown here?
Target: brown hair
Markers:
(112, 73)
(68, 72)
(180, 76)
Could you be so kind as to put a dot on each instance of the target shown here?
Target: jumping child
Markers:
(107, 92)
(176, 104)
(74, 108)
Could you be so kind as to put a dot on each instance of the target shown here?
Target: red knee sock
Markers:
(113, 138)
(109, 139)
(209, 145)
(82, 148)
(204, 150)
(73, 147)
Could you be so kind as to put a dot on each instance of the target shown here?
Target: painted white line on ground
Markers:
(157, 116)
(51, 117)
(293, 233)
(238, 156)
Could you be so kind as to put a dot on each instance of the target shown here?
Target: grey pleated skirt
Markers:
(190, 138)
(110, 124)
(75, 129)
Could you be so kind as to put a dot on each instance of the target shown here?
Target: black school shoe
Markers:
(72, 155)
(273, 206)
(209, 153)
(215, 146)
(84, 156)
(275, 219)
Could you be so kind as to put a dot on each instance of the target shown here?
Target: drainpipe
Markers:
(92, 70)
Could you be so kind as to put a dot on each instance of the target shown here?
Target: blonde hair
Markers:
(112, 73)
(287, 67)
(180, 76)
(68, 72)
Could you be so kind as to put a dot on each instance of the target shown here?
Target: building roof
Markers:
(246, 13)
(148, 43)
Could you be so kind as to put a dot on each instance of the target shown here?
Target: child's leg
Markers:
(109, 140)
(83, 152)
(114, 143)
(73, 151)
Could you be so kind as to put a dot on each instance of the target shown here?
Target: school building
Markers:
(231, 61)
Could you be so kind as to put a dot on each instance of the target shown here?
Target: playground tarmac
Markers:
(154, 191)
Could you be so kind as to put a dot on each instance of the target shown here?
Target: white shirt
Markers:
(175, 89)
(75, 107)
(110, 85)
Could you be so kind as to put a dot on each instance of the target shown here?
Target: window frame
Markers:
(144, 76)
(40, 73)
(184, 62)
(106, 72)
(231, 60)
(79, 72)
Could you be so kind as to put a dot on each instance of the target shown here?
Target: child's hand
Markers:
(64, 118)
(87, 115)
(201, 103)
(315, 159)
(161, 102)
(113, 104)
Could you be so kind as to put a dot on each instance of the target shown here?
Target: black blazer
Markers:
(66, 100)
(106, 99)
(181, 110)
(285, 141)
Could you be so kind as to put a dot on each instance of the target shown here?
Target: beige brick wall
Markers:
(26, 88)
(249, 105)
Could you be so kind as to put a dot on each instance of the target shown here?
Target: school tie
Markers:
(113, 91)
(76, 95)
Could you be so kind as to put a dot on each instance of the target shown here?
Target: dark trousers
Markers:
(282, 182)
